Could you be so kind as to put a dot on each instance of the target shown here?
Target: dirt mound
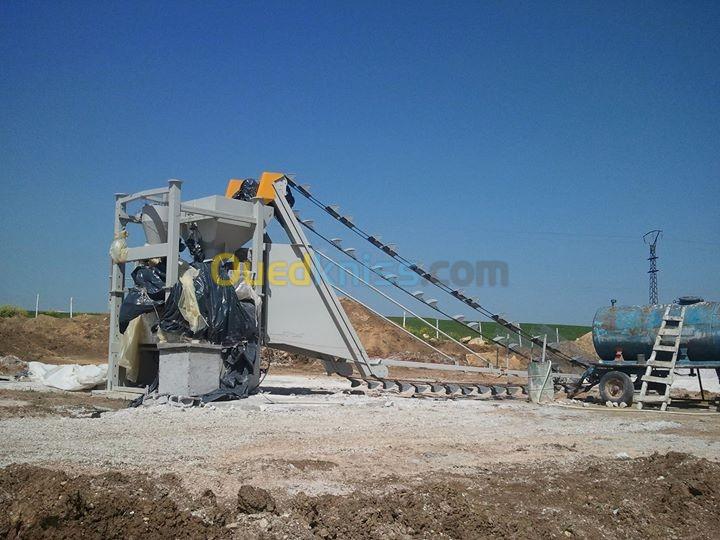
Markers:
(613, 499)
(585, 344)
(40, 503)
(82, 339)
(582, 348)
(253, 500)
(662, 496)
(382, 339)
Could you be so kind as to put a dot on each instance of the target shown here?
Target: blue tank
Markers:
(633, 329)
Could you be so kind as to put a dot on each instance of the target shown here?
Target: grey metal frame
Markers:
(178, 213)
(365, 366)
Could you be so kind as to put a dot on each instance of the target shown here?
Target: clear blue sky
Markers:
(550, 135)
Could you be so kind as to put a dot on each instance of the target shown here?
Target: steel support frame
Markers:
(296, 236)
(177, 214)
(170, 251)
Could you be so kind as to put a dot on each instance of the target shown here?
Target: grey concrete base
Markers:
(189, 369)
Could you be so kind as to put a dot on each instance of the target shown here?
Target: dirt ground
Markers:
(310, 458)
(336, 464)
(82, 339)
(27, 403)
(671, 496)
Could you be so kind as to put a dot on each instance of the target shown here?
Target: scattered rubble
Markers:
(12, 366)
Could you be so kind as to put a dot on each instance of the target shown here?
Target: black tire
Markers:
(617, 387)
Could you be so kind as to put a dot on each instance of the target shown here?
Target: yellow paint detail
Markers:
(265, 189)
(233, 186)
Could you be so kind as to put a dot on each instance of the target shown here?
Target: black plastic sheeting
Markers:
(152, 279)
(237, 369)
(193, 243)
(229, 321)
(145, 297)
(247, 190)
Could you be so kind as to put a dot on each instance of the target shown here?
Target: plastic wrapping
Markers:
(72, 377)
(118, 247)
(147, 295)
(172, 320)
(130, 348)
(136, 303)
(246, 292)
(188, 304)
(152, 279)
(193, 242)
(228, 321)
(235, 378)
(247, 191)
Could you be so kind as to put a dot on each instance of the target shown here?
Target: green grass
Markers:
(9, 310)
(491, 329)
(62, 314)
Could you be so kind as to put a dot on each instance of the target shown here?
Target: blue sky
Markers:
(548, 135)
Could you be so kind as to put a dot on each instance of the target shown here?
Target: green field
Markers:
(61, 314)
(491, 329)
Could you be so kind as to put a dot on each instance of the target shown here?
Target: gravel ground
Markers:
(309, 434)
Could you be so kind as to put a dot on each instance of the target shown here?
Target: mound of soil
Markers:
(661, 496)
(585, 343)
(383, 339)
(82, 339)
(40, 503)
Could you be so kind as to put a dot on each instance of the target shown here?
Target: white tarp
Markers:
(69, 376)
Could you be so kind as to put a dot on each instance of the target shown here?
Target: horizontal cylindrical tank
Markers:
(634, 328)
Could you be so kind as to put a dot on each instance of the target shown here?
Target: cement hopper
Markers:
(230, 227)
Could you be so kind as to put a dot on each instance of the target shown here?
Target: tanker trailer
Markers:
(632, 330)
(624, 338)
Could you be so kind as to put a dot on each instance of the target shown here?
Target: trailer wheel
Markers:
(617, 387)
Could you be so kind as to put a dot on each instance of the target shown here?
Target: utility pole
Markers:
(651, 238)
(37, 304)
(519, 335)
(71, 307)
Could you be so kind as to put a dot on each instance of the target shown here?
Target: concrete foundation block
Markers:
(189, 369)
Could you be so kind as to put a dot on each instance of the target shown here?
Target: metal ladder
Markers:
(663, 358)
